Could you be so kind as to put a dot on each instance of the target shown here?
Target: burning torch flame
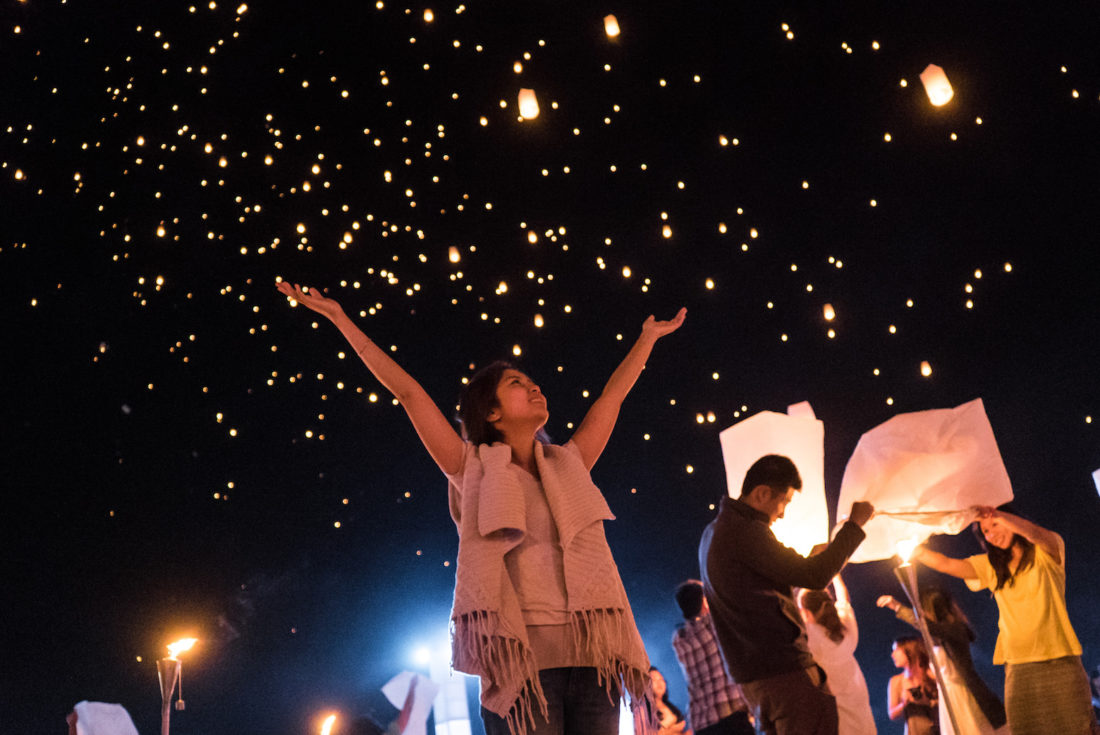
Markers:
(326, 727)
(906, 547)
(180, 646)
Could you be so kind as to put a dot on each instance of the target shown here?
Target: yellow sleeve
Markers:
(987, 578)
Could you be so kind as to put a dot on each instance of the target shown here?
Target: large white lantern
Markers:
(798, 434)
(936, 85)
(528, 104)
(611, 26)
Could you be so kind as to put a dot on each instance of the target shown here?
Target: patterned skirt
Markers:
(1046, 697)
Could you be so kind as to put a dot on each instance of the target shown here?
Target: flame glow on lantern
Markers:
(326, 726)
(906, 547)
(936, 85)
(181, 646)
(528, 104)
(611, 26)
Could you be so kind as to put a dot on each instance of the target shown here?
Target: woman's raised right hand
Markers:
(311, 298)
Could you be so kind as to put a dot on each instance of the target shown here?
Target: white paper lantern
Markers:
(528, 104)
(800, 436)
(924, 472)
(936, 85)
(611, 26)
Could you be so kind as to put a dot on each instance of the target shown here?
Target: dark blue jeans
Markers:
(576, 703)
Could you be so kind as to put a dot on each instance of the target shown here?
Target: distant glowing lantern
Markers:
(611, 26)
(936, 85)
(828, 312)
(453, 255)
(528, 104)
(926, 369)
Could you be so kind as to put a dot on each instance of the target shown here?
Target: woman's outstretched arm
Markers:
(592, 435)
(960, 568)
(437, 434)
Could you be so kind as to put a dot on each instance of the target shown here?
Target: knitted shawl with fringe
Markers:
(489, 637)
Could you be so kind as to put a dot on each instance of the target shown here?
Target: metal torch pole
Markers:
(908, 580)
(168, 672)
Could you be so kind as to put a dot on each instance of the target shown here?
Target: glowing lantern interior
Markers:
(611, 26)
(936, 85)
(906, 547)
(528, 104)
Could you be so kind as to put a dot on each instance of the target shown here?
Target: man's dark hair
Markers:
(775, 471)
(689, 596)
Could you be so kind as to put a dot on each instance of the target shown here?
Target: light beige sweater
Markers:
(489, 637)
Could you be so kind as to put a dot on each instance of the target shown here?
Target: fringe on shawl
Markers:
(598, 634)
(478, 648)
(604, 635)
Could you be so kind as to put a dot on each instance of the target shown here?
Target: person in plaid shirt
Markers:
(716, 706)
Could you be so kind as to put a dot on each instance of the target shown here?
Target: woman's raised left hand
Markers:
(659, 329)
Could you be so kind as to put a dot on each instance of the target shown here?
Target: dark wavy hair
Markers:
(478, 399)
(775, 471)
(821, 604)
(940, 607)
(1000, 558)
(915, 652)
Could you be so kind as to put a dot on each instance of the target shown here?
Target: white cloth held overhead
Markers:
(101, 718)
(800, 436)
(924, 472)
(422, 690)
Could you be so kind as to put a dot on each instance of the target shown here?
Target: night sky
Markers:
(186, 454)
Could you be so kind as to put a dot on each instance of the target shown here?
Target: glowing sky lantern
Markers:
(936, 85)
(528, 104)
(828, 312)
(1096, 480)
(611, 26)
(326, 726)
(924, 472)
(926, 368)
(798, 434)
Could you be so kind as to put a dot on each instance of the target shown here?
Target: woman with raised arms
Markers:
(540, 613)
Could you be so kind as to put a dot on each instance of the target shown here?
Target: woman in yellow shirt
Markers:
(1046, 689)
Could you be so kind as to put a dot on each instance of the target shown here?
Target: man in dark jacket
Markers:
(747, 576)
